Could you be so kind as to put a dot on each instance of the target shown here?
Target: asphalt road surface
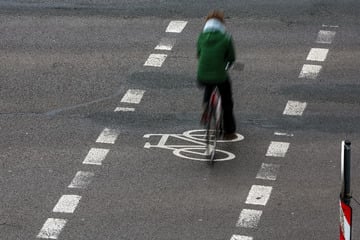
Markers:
(99, 121)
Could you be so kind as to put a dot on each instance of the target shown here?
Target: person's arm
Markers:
(230, 58)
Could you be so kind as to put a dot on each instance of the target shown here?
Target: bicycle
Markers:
(213, 120)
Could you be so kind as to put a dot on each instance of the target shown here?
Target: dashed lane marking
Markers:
(268, 171)
(155, 60)
(259, 195)
(81, 180)
(52, 228)
(249, 218)
(283, 134)
(124, 109)
(294, 108)
(96, 156)
(310, 71)
(240, 237)
(317, 54)
(108, 136)
(325, 37)
(133, 96)
(166, 44)
(176, 26)
(67, 204)
(277, 149)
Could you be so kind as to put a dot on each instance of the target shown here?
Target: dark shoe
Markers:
(229, 136)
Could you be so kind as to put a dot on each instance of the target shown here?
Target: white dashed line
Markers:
(96, 156)
(133, 96)
(166, 44)
(259, 195)
(240, 237)
(108, 136)
(325, 37)
(268, 171)
(52, 228)
(249, 218)
(283, 134)
(317, 54)
(155, 60)
(176, 26)
(67, 204)
(330, 26)
(81, 180)
(277, 149)
(310, 71)
(124, 109)
(294, 108)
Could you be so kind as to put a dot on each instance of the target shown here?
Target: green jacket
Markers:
(214, 50)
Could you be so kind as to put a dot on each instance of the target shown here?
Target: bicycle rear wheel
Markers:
(211, 138)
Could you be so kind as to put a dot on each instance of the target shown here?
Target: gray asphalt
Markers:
(65, 66)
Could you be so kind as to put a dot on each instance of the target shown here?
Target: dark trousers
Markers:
(227, 104)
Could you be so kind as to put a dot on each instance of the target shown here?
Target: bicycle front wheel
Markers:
(199, 154)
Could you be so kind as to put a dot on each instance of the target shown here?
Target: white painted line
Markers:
(155, 60)
(108, 136)
(283, 134)
(249, 218)
(124, 109)
(259, 195)
(52, 228)
(166, 44)
(96, 156)
(294, 108)
(67, 204)
(317, 54)
(330, 26)
(325, 37)
(310, 71)
(268, 171)
(81, 180)
(133, 96)
(176, 26)
(240, 237)
(277, 149)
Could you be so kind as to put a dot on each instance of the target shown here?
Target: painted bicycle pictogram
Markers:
(194, 147)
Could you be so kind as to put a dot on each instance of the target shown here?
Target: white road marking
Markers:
(277, 149)
(155, 60)
(176, 26)
(249, 218)
(325, 37)
(67, 204)
(52, 228)
(294, 108)
(317, 54)
(268, 171)
(133, 96)
(240, 237)
(96, 156)
(81, 180)
(330, 26)
(124, 109)
(283, 134)
(166, 44)
(310, 71)
(108, 136)
(259, 195)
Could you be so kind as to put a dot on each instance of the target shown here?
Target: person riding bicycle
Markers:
(215, 52)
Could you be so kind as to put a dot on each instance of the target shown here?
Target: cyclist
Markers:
(215, 52)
